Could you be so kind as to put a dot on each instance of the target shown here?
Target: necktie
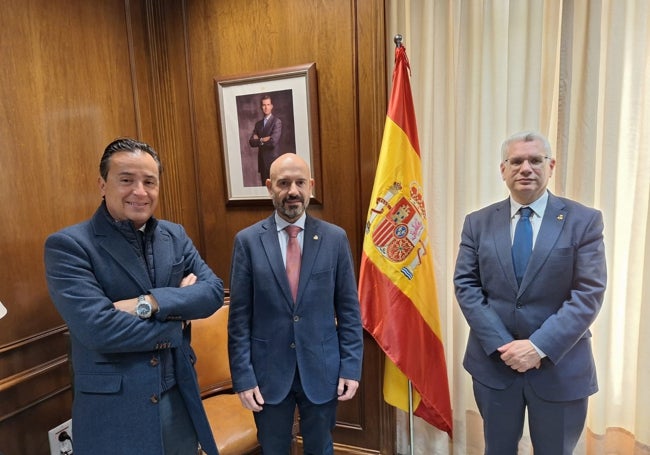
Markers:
(293, 259)
(141, 239)
(522, 244)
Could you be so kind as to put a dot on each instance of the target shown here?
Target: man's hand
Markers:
(189, 280)
(251, 399)
(128, 305)
(520, 355)
(347, 389)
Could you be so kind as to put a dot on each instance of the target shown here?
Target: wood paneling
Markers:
(77, 74)
(66, 92)
(345, 40)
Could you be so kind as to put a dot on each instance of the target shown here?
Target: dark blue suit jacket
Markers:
(270, 150)
(115, 355)
(560, 295)
(269, 336)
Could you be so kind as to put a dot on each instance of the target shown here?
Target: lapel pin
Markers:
(560, 217)
(315, 237)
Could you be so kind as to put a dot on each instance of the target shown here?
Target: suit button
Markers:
(292, 345)
(154, 361)
(296, 318)
(519, 305)
(154, 398)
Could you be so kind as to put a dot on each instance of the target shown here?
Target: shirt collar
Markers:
(282, 223)
(538, 206)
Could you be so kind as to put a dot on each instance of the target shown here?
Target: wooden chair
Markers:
(232, 425)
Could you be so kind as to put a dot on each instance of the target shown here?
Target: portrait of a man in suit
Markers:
(264, 138)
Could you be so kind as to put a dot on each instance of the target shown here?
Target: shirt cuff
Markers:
(539, 351)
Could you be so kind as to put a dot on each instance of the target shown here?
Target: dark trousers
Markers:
(275, 423)
(555, 426)
(179, 436)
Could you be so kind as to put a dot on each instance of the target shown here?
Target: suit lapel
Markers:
(267, 128)
(120, 250)
(503, 241)
(552, 224)
(162, 257)
(269, 239)
(311, 242)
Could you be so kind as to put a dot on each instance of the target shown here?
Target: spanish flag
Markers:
(397, 288)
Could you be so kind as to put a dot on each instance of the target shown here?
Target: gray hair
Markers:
(526, 136)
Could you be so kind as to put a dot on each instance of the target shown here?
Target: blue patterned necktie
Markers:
(522, 244)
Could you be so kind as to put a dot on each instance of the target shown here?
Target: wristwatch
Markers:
(143, 308)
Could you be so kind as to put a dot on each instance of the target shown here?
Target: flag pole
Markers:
(398, 43)
(411, 433)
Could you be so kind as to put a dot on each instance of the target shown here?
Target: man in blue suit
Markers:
(284, 350)
(126, 283)
(529, 345)
(266, 137)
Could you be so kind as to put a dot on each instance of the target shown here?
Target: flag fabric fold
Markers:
(397, 289)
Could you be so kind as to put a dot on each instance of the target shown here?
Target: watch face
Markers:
(143, 309)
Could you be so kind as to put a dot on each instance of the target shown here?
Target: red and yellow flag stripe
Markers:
(397, 286)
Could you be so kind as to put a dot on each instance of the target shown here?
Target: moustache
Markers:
(294, 199)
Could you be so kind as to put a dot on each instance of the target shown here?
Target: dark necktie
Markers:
(142, 240)
(522, 244)
(293, 259)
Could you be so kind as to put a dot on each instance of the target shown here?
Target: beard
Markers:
(291, 213)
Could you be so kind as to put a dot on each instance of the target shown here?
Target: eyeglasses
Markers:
(536, 162)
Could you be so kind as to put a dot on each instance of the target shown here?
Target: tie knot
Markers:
(292, 230)
(525, 212)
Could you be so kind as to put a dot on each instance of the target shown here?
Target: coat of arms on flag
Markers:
(399, 230)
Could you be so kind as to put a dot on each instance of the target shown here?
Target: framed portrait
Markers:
(262, 116)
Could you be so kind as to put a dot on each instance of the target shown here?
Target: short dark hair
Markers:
(125, 144)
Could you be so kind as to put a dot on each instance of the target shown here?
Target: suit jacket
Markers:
(560, 295)
(115, 355)
(270, 336)
(270, 150)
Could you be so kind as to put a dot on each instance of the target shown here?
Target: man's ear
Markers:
(102, 185)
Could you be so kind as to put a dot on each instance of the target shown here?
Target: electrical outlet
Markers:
(61, 439)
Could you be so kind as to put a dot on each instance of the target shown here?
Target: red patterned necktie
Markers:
(293, 259)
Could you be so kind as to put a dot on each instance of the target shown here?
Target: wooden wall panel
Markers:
(78, 74)
(68, 89)
(225, 40)
(161, 95)
(62, 100)
(345, 40)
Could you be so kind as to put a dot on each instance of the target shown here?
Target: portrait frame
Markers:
(294, 95)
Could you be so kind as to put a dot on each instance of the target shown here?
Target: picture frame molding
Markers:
(302, 81)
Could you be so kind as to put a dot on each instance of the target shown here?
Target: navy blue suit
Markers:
(559, 298)
(267, 151)
(116, 355)
(320, 337)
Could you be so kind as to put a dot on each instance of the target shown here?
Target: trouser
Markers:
(555, 426)
(179, 436)
(275, 423)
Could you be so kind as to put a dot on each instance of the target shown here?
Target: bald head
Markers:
(289, 161)
(290, 186)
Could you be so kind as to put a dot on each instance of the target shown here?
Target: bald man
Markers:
(301, 347)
